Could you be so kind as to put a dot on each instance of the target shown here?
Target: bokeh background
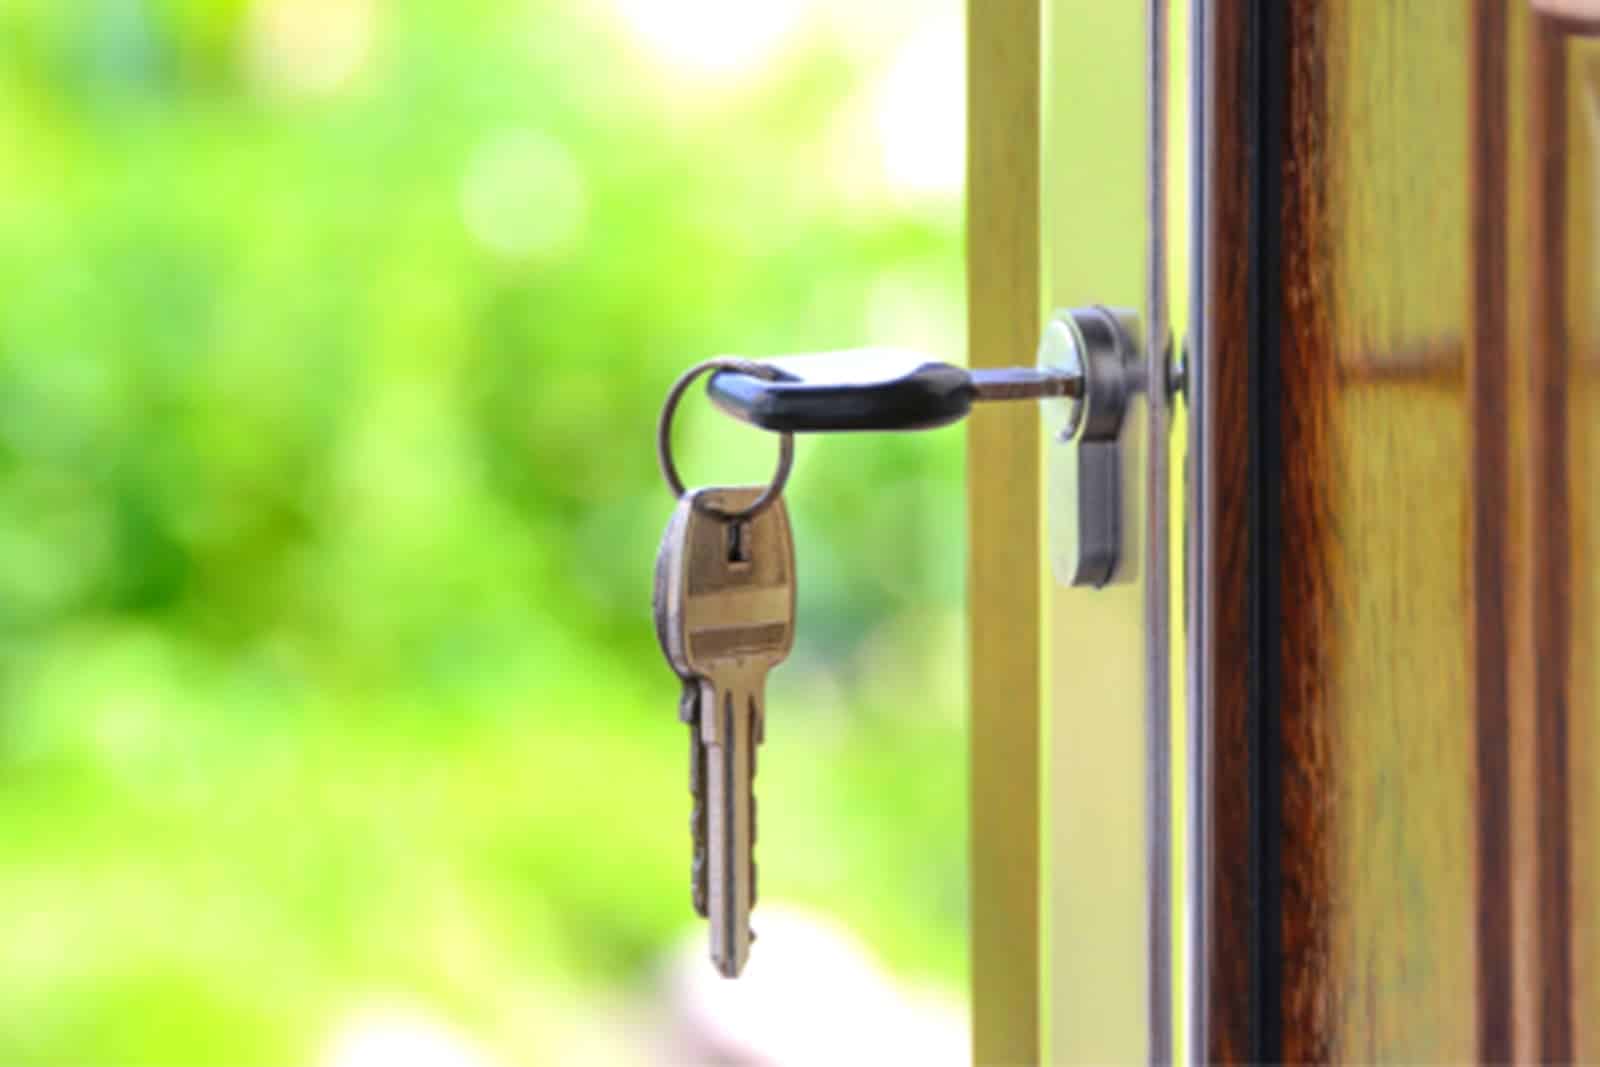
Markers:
(332, 336)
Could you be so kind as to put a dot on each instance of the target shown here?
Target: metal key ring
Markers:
(669, 469)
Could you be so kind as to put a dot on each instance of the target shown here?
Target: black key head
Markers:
(857, 389)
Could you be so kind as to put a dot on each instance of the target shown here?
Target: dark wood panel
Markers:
(1399, 630)
(1489, 415)
(1544, 1017)
(1361, 704)
(1580, 388)
(1222, 678)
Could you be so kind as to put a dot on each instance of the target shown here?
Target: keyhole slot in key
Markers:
(739, 543)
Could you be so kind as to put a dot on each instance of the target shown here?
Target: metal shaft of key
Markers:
(730, 733)
(880, 390)
(1025, 383)
(725, 614)
(669, 565)
(689, 712)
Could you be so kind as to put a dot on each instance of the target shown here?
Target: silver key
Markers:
(726, 617)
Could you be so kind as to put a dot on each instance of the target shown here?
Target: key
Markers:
(726, 618)
(876, 389)
(688, 711)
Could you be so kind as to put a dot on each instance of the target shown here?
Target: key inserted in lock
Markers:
(1088, 368)
(1084, 521)
(875, 389)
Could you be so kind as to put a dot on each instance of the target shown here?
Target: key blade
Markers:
(729, 826)
(689, 711)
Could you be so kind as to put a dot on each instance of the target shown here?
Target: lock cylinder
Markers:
(1100, 346)
(1085, 377)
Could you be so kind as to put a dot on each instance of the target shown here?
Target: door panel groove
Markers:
(1267, 64)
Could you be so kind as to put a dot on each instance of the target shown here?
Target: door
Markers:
(1359, 822)
(1394, 591)
(1070, 765)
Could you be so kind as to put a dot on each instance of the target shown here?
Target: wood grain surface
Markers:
(1224, 678)
(1401, 565)
(1003, 297)
(1382, 535)
(1543, 700)
(1574, 382)
(1488, 484)
(1358, 689)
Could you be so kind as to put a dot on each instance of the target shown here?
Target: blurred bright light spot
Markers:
(855, 1012)
(523, 195)
(394, 1037)
(714, 36)
(919, 107)
(307, 47)
(870, 30)
(127, 731)
(911, 310)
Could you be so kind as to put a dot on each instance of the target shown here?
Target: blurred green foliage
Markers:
(326, 526)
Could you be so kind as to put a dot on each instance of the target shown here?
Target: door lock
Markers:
(1088, 368)
(1083, 513)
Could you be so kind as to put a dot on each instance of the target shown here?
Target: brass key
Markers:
(668, 560)
(725, 609)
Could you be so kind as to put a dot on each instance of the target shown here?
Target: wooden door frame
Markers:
(1003, 521)
(1012, 960)
(1259, 993)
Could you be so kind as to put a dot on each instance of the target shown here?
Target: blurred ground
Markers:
(331, 342)
(815, 995)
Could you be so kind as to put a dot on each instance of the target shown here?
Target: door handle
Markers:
(1088, 368)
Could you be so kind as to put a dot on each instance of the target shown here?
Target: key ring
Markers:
(669, 469)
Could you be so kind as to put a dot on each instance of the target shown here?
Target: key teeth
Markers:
(698, 876)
